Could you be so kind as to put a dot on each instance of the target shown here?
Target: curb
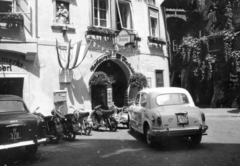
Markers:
(221, 115)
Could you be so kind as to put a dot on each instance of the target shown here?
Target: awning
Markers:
(28, 50)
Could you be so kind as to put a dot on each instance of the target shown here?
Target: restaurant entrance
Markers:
(119, 88)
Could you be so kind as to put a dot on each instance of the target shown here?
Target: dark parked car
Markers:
(19, 127)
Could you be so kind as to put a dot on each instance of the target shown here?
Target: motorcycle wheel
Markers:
(94, 126)
(55, 140)
(88, 129)
(71, 136)
(113, 126)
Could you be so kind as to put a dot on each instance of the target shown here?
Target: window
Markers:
(153, 17)
(143, 100)
(159, 78)
(151, 2)
(175, 45)
(62, 12)
(8, 106)
(14, 6)
(172, 99)
(124, 15)
(100, 13)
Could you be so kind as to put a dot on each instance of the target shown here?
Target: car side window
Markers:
(143, 100)
(137, 99)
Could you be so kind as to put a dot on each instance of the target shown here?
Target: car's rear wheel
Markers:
(196, 139)
(31, 149)
(149, 138)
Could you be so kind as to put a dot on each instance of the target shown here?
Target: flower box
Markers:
(152, 39)
(13, 20)
(101, 32)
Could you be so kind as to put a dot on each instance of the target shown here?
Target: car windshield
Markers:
(172, 99)
(9, 106)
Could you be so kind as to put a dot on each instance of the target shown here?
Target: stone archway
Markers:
(119, 88)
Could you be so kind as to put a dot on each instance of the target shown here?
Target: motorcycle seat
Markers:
(107, 112)
(48, 117)
(69, 115)
(83, 114)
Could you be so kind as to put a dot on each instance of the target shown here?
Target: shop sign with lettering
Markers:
(124, 37)
(5, 68)
(107, 57)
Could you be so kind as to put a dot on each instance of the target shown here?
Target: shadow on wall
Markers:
(77, 90)
(156, 49)
(18, 59)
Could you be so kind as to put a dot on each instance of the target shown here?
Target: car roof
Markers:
(162, 90)
(10, 97)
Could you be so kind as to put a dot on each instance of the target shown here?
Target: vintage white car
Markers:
(164, 112)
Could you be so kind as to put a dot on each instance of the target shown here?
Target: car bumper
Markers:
(23, 143)
(180, 132)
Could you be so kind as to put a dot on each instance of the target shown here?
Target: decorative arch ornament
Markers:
(71, 56)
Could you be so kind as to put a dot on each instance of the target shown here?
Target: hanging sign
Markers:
(124, 37)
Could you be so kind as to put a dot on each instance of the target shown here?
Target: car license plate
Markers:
(14, 133)
(75, 127)
(182, 119)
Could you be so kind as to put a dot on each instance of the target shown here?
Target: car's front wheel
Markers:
(149, 138)
(196, 139)
(31, 149)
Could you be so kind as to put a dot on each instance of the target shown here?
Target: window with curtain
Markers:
(153, 18)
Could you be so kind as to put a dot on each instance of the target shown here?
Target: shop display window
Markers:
(124, 15)
(153, 18)
(101, 13)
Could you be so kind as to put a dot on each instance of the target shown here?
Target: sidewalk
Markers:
(221, 112)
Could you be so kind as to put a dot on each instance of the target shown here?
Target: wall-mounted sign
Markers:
(11, 62)
(124, 37)
(109, 96)
(5, 68)
(107, 57)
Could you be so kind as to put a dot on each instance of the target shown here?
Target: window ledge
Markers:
(58, 26)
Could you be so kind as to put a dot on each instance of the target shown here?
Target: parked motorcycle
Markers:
(70, 124)
(84, 123)
(103, 118)
(122, 116)
(54, 128)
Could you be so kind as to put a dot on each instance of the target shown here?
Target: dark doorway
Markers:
(119, 88)
(12, 86)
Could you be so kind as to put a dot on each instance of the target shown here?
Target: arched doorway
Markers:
(119, 88)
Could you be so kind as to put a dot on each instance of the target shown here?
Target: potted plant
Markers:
(138, 80)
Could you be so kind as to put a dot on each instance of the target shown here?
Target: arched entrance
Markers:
(113, 68)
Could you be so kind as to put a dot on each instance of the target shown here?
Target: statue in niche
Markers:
(62, 14)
